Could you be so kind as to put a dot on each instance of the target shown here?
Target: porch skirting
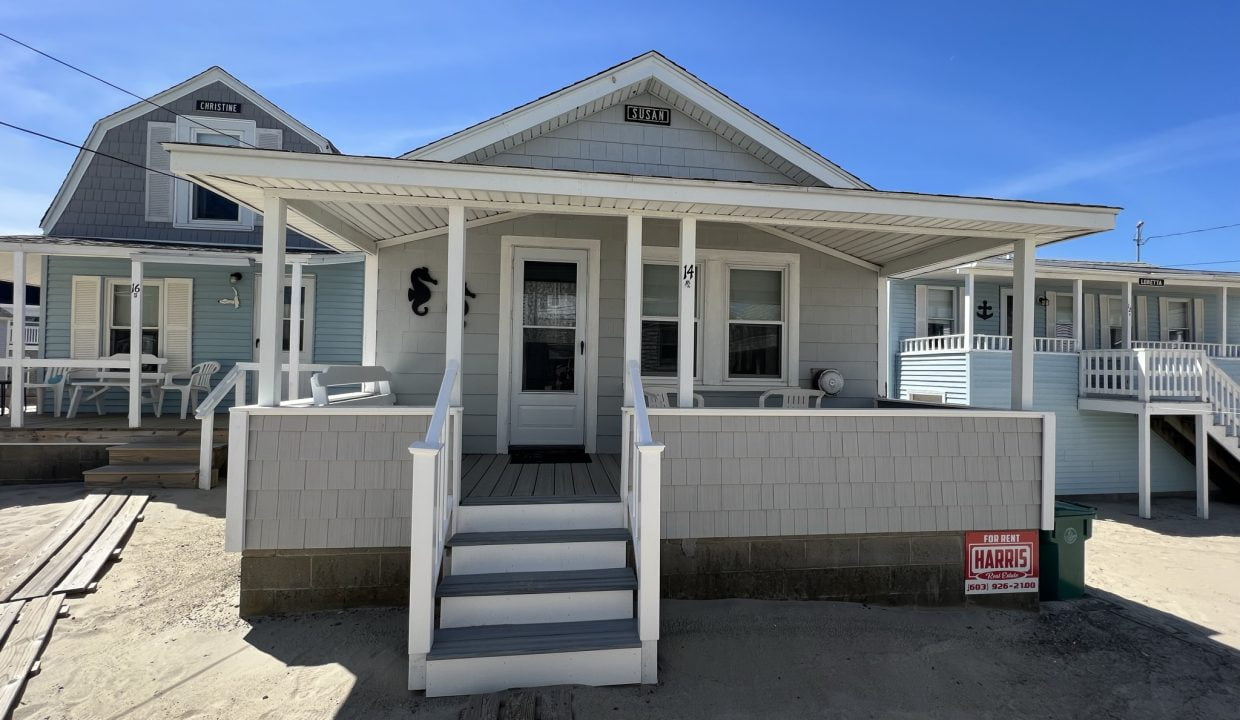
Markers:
(290, 581)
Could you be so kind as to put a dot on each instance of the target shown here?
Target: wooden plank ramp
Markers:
(551, 703)
(20, 653)
(105, 548)
(63, 561)
(32, 562)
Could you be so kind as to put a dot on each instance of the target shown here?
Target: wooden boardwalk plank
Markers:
(68, 556)
(8, 616)
(31, 563)
(87, 569)
(19, 653)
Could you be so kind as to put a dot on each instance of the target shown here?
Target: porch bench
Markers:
(348, 375)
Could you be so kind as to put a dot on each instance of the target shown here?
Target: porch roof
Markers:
(355, 202)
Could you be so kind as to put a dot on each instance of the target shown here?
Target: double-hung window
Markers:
(660, 311)
(755, 323)
(940, 311)
(1179, 321)
(1063, 316)
(199, 207)
(120, 299)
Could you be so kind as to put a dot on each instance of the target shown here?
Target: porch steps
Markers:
(535, 594)
(172, 464)
(162, 453)
(1179, 431)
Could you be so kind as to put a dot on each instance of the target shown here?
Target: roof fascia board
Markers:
(1206, 280)
(202, 160)
(101, 127)
(646, 66)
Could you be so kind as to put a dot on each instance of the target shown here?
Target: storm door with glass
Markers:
(548, 355)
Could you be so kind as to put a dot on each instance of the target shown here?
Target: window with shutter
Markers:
(199, 207)
(84, 317)
(178, 324)
(159, 186)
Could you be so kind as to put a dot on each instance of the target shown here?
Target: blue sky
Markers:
(1120, 103)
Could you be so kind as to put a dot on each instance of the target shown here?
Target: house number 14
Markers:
(688, 276)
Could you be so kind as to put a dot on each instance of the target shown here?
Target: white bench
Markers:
(343, 375)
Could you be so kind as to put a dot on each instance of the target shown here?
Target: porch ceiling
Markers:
(365, 203)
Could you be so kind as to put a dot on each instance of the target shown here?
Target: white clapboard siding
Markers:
(178, 321)
(266, 139)
(159, 186)
(85, 317)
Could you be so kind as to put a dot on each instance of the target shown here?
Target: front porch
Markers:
(494, 479)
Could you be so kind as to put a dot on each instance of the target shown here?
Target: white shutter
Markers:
(1090, 337)
(159, 187)
(266, 139)
(1048, 324)
(920, 311)
(178, 320)
(85, 317)
(1141, 329)
(1164, 329)
(1199, 320)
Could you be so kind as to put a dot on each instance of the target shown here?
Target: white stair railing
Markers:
(641, 493)
(1223, 394)
(938, 343)
(1144, 374)
(436, 491)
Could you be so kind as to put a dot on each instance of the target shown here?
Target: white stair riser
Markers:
(538, 557)
(557, 516)
(535, 608)
(470, 676)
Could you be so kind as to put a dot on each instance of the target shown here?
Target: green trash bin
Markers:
(1061, 552)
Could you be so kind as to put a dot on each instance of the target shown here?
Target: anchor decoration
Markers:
(419, 292)
(985, 311)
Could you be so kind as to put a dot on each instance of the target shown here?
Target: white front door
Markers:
(548, 383)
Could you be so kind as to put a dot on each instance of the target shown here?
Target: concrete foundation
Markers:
(285, 581)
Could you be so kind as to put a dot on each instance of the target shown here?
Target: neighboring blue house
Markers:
(199, 252)
(1114, 343)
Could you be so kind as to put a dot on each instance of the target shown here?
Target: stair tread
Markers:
(540, 499)
(526, 583)
(533, 639)
(526, 537)
(149, 469)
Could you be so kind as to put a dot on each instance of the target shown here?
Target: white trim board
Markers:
(209, 76)
(504, 353)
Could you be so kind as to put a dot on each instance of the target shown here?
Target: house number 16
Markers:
(135, 289)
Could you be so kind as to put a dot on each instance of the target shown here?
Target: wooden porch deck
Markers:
(103, 429)
(491, 479)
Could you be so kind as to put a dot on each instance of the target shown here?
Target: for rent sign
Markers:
(1000, 561)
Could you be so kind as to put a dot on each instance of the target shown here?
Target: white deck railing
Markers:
(987, 343)
(1143, 374)
(436, 492)
(30, 336)
(641, 492)
(1218, 350)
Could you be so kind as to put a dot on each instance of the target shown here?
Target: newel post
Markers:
(421, 562)
(650, 457)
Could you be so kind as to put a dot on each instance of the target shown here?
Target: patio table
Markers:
(104, 380)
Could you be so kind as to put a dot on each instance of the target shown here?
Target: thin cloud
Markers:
(1195, 143)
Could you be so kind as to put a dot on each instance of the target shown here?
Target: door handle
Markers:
(583, 347)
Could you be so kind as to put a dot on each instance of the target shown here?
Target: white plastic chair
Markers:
(54, 380)
(198, 381)
(794, 397)
(659, 397)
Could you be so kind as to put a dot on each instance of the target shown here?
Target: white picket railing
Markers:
(988, 343)
(436, 493)
(641, 492)
(938, 343)
(1211, 349)
(1144, 374)
(993, 342)
(30, 336)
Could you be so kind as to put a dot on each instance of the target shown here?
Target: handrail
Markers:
(640, 492)
(639, 403)
(434, 431)
(219, 392)
(1143, 373)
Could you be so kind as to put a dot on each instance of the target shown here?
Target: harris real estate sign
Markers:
(1000, 561)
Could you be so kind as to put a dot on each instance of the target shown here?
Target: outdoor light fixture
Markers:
(235, 300)
(1044, 301)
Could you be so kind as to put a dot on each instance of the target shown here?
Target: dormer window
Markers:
(199, 207)
(206, 204)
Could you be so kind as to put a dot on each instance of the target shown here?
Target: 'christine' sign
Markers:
(220, 107)
(648, 115)
(1000, 561)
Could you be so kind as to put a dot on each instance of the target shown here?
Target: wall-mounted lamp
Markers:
(1044, 301)
(235, 300)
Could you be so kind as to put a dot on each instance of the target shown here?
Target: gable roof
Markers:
(207, 77)
(656, 75)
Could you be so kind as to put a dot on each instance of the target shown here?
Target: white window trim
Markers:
(1104, 320)
(108, 318)
(713, 313)
(309, 285)
(1005, 294)
(955, 291)
(1190, 332)
(660, 380)
(188, 128)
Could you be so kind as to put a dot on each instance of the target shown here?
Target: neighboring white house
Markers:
(630, 241)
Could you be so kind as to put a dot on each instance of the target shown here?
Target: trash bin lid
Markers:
(1063, 508)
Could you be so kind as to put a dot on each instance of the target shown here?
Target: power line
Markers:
(1191, 232)
(36, 133)
(114, 86)
(1212, 262)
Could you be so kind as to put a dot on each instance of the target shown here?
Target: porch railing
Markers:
(1211, 349)
(1143, 374)
(30, 336)
(988, 343)
(436, 493)
(641, 493)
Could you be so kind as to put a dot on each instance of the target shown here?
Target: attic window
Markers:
(198, 207)
(206, 204)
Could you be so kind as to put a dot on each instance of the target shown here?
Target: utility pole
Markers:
(1138, 239)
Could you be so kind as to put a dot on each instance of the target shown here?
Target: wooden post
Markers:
(17, 346)
(1222, 320)
(1128, 315)
(1203, 467)
(966, 321)
(1078, 314)
(686, 336)
(136, 293)
(884, 336)
(1024, 255)
(206, 451)
(455, 289)
(271, 324)
(1143, 462)
(650, 457)
(294, 333)
(632, 300)
(421, 564)
(370, 310)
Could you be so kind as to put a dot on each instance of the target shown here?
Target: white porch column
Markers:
(455, 288)
(632, 300)
(884, 336)
(688, 299)
(966, 321)
(1203, 467)
(370, 310)
(1078, 314)
(1143, 462)
(1023, 255)
(136, 291)
(294, 333)
(17, 348)
(271, 324)
(1222, 318)
(1129, 315)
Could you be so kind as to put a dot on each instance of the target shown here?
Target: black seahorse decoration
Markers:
(468, 294)
(420, 293)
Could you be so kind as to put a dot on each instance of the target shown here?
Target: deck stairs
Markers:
(155, 463)
(535, 594)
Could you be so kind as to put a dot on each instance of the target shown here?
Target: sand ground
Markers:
(161, 639)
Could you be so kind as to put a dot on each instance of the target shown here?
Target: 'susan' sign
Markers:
(648, 115)
(216, 106)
